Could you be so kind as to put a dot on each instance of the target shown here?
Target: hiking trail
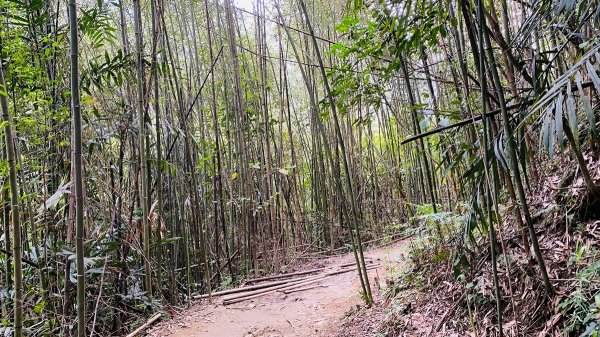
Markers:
(312, 312)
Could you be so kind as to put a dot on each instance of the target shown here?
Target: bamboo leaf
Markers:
(551, 128)
(544, 136)
(484, 224)
(560, 136)
(559, 84)
(470, 224)
(56, 197)
(587, 105)
(499, 151)
(572, 115)
(593, 76)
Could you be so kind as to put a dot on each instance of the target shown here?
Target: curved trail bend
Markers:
(314, 312)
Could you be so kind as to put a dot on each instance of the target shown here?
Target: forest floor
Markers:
(317, 312)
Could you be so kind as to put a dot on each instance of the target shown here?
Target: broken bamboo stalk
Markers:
(278, 276)
(268, 278)
(145, 325)
(243, 289)
(290, 286)
(304, 289)
(264, 290)
(304, 272)
(272, 290)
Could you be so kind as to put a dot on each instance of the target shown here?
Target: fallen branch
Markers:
(145, 325)
(250, 294)
(310, 271)
(290, 286)
(303, 289)
(243, 289)
(270, 284)
(269, 291)
(279, 276)
(448, 313)
(456, 125)
(24, 259)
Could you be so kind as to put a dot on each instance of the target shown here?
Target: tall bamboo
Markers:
(348, 175)
(78, 168)
(14, 206)
(142, 144)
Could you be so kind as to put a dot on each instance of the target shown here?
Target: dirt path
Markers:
(314, 312)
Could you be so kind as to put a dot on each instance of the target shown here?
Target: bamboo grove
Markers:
(157, 150)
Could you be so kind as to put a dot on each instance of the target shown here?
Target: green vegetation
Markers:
(159, 150)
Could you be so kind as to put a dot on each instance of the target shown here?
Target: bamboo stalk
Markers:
(294, 285)
(275, 283)
(310, 271)
(145, 325)
(14, 206)
(227, 300)
(279, 276)
(24, 259)
(303, 289)
(272, 290)
(243, 289)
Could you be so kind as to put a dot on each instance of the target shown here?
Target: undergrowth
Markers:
(447, 287)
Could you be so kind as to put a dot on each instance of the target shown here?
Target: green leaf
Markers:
(593, 76)
(39, 307)
(545, 127)
(559, 120)
(587, 106)
(572, 115)
(551, 128)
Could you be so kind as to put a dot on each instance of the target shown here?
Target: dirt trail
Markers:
(315, 312)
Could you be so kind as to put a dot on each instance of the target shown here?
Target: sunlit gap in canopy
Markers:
(245, 4)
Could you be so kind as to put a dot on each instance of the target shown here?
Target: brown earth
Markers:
(315, 312)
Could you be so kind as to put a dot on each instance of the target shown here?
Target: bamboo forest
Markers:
(271, 168)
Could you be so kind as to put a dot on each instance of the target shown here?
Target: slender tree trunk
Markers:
(348, 174)
(514, 160)
(14, 206)
(219, 206)
(142, 145)
(7, 241)
(489, 197)
(157, 8)
(78, 168)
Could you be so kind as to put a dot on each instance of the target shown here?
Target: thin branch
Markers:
(24, 259)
